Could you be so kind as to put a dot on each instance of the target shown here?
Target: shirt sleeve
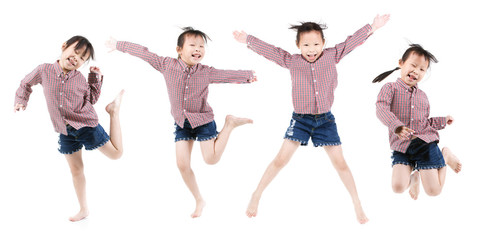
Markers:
(353, 41)
(437, 123)
(270, 52)
(23, 92)
(157, 62)
(383, 106)
(95, 82)
(229, 76)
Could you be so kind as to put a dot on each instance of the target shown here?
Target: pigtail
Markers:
(382, 76)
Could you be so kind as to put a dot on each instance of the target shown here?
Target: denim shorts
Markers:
(420, 155)
(320, 127)
(201, 133)
(91, 138)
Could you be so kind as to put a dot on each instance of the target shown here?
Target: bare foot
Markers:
(236, 121)
(361, 217)
(114, 106)
(414, 185)
(79, 216)
(199, 208)
(452, 161)
(253, 206)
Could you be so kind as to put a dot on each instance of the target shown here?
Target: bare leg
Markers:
(451, 160)
(183, 152)
(212, 150)
(114, 148)
(403, 178)
(282, 158)
(336, 156)
(76, 167)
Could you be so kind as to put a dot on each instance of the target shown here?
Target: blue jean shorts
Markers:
(201, 133)
(420, 155)
(91, 138)
(320, 127)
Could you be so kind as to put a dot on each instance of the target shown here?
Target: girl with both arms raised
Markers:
(70, 99)
(405, 110)
(187, 84)
(314, 79)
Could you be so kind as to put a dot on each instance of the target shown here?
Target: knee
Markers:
(280, 162)
(211, 160)
(117, 155)
(183, 166)
(399, 187)
(76, 170)
(433, 191)
(340, 165)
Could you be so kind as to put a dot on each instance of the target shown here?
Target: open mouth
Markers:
(197, 56)
(71, 61)
(311, 56)
(411, 77)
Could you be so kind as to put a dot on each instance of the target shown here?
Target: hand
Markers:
(96, 70)
(449, 120)
(111, 44)
(254, 79)
(404, 133)
(240, 36)
(379, 21)
(19, 106)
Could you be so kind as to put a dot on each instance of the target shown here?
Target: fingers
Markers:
(19, 107)
(405, 133)
(240, 36)
(450, 119)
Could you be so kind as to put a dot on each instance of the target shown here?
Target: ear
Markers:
(297, 43)
(179, 49)
(400, 63)
(64, 46)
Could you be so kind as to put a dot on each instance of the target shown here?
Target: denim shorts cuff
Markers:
(207, 138)
(431, 167)
(403, 163)
(327, 144)
(303, 143)
(184, 139)
(70, 152)
(99, 145)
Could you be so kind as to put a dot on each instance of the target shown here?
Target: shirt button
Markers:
(61, 93)
(188, 76)
(185, 99)
(413, 106)
(184, 110)
(316, 92)
(186, 87)
(60, 105)
(314, 80)
(313, 69)
(63, 81)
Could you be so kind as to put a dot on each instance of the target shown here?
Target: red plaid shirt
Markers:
(313, 84)
(187, 86)
(69, 97)
(401, 105)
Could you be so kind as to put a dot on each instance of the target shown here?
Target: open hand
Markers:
(96, 70)
(379, 21)
(111, 44)
(240, 36)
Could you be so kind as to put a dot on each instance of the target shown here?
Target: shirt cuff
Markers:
(94, 78)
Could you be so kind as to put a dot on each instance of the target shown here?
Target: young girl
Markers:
(70, 100)
(187, 84)
(405, 110)
(314, 79)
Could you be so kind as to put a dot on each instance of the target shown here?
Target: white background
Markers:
(142, 196)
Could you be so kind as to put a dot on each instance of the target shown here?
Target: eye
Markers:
(421, 69)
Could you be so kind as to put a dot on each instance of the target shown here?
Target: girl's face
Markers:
(72, 59)
(413, 69)
(311, 45)
(193, 50)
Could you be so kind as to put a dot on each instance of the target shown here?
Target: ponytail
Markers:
(382, 76)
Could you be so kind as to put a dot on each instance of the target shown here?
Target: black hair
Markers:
(190, 31)
(81, 43)
(414, 48)
(308, 27)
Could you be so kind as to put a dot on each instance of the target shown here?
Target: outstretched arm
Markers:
(157, 62)
(95, 81)
(270, 52)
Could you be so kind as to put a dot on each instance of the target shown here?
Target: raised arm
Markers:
(359, 37)
(270, 52)
(139, 51)
(95, 81)
(25, 89)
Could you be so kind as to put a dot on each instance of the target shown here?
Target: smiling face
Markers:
(413, 69)
(193, 49)
(72, 58)
(311, 45)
